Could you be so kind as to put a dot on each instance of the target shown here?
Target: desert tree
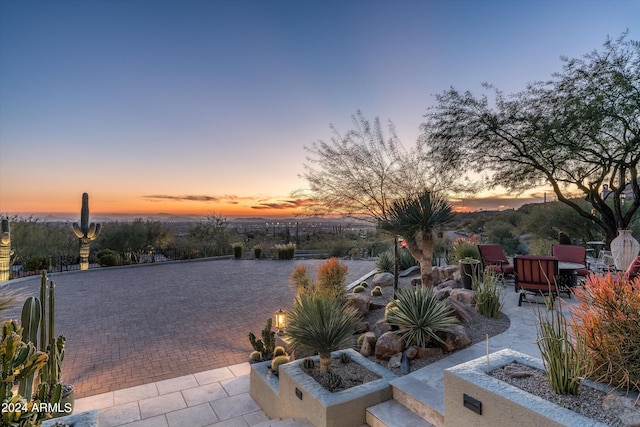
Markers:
(415, 218)
(360, 173)
(578, 132)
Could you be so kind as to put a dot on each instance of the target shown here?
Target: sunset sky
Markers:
(201, 107)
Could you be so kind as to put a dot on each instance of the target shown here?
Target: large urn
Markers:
(624, 249)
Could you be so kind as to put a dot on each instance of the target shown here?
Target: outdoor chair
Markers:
(535, 275)
(494, 258)
(572, 253)
(603, 264)
(634, 269)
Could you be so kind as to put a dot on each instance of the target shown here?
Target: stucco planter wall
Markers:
(501, 403)
(294, 394)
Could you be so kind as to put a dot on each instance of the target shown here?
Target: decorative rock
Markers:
(405, 367)
(453, 284)
(381, 327)
(461, 311)
(383, 279)
(368, 344)
(395, 360)
(410, 271)
(457, 339)
(465, 296)
(361, 303)
(443, 294)
(624, 409)
(411, 352)
(387, 345)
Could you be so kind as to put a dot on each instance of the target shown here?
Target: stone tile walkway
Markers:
(131, 326)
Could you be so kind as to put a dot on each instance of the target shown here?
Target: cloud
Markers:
(190, 198)
(282, 204)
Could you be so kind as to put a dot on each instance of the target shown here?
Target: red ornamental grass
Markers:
(607, 318)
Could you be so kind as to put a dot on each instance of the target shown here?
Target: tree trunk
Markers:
(426, 270)
(325, 362)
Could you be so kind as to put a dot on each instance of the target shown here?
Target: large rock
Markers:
(424, 352)
(381, 327)
(465, 296)
(453, 284)
(443, 294)
(443, 274)
(460, 310)
(361, 302)
(368, 344)
(455, 340)
(387, 345)
(383, 279)
(395, 360)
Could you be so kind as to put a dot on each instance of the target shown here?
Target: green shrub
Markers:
(285, 252)
(108, 258)
(488, 296)
(257, 252)
(406, 260)
(36, 263)
(385, 262)
(565, 362)
(308, 326)
(237, 250)
(465, 249)
(419, 315)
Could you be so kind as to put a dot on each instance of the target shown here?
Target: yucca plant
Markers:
(385, 262)
(319, 322)
(420, 315)
(565, 360)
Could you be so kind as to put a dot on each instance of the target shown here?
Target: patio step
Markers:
(289, 422)
(414, 403)
(393, 414)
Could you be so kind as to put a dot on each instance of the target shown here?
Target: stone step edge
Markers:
(422, 399)
(393, 414)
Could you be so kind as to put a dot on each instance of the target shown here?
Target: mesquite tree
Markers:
(579, 132)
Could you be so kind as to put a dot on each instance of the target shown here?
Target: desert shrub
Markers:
(385, 262)
(257, 252)
(37, 263)
(465, 249)
(301, 280)
(108, 258)
(285, 252)
(406, 259)
(565, 361)
(320, 323)
(331, 276)
(237, 250)
(488, 297)
(419, 315)
(607, 319)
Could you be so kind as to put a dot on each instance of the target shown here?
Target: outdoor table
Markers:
(568, 275)
(596, 245)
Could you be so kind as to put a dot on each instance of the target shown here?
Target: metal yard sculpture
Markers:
(85, 232)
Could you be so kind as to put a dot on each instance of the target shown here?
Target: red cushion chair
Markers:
(634, 269)
(535, 274)
(572, 253)
(494, 258)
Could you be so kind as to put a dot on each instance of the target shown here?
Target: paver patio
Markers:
(132, 326)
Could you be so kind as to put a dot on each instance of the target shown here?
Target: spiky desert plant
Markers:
(385, 262)
(565, 361)
(331, 277)
(85, 232)
(488, 297)
(301, 280)
(319, 322)
(607, 318)
(5, 251)
(358, 289)
(331, 381)
(376, 291)
(420, 315)
(277, 361)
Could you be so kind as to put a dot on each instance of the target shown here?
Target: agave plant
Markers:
(419, 315)
(321, 323)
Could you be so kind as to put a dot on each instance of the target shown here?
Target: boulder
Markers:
(361, 302)
(443, 294)
(410, 271)
(443, 274)
(383, 279)
(460, 310)
(424, 352)
(411, 352)
(465, 296)
(453, 284)
(381, 327)
(387, 345)
(395, 360)
(455, 340)
(368, 344)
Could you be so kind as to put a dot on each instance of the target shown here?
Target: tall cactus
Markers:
(85, 232)
(30, 320)
(5, 251)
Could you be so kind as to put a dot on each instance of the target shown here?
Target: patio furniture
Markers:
(570, 275)
(494, 258)
(634, 269)
(535, 275)
(603, 263)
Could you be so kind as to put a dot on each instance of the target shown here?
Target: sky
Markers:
(199, 107)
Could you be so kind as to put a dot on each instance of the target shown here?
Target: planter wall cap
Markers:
(82, 419)
(475, 372)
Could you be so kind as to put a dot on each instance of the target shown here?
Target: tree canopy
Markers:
(362, 172)
(578, 132)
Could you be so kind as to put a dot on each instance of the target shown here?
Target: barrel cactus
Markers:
(279, 351)
(376, 292)
(331, 381)
(308, 363)
(358, 289)
(256, 356)
(277, 361)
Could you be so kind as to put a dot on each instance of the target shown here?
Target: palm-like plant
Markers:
(320, 323)
(415, 219)
(419, 315)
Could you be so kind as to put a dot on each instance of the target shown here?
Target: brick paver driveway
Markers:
(135, 325)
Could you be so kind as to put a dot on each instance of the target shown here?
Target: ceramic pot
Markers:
(469, 269)
(624, 249)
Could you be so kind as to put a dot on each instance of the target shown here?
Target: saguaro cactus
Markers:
(85, 232)
(5, 251)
